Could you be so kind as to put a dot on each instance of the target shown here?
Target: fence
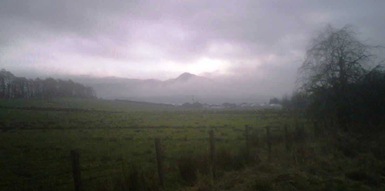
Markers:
(273, 135)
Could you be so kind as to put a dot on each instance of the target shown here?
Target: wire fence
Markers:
(81, 171)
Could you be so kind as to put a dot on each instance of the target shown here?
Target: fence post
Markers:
(300, 133)
(316, 129)
(268, 141)
(247, 137)
(212, 153)
(159, 160)
(75, 156)
(287, 139)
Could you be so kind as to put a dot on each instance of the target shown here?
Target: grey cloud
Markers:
(239, 32)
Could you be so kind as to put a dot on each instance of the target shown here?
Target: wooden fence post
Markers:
(287, 139)
(247, 137)
(268, 141)
(316, 129)
(75, 156)
(159, 160)
(301, 135)
(212, 153)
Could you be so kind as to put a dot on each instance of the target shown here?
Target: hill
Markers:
(184, 88)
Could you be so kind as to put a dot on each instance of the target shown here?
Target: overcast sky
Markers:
(259, 42)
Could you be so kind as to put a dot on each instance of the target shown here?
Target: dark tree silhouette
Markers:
(15, 87)
(335, 61)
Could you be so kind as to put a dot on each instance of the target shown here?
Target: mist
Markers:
(192, 95)
(187, 87)
(249, 50)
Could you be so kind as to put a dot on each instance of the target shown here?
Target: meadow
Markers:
(38, 135)
(115, 140)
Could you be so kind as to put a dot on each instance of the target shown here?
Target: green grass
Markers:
(116, 137)
(70, 114)
(35, 155)
(38, 135)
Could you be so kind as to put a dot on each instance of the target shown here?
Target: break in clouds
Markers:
(251, 47)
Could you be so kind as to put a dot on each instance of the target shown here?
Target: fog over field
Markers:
(151, 95)
(238, 51)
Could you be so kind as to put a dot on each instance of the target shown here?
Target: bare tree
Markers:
(335, 60)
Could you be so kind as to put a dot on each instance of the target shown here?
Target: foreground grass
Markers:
(116, 143)
(319, 164)
(37, 136)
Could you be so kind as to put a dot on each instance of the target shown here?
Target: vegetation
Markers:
(340, 81)
(115, 140)
(111, 136)
(13, 87)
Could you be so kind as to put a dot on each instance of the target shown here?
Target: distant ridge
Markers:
(181, 89)
(185, 77)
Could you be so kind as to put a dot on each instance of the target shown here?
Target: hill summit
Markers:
(186, 77)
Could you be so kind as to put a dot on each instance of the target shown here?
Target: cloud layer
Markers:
(252, 44)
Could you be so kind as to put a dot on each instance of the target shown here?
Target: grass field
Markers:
(39, 134)
(115, 140)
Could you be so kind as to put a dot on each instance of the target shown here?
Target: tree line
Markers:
(12, 87)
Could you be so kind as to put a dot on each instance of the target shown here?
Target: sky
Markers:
(261, 43)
